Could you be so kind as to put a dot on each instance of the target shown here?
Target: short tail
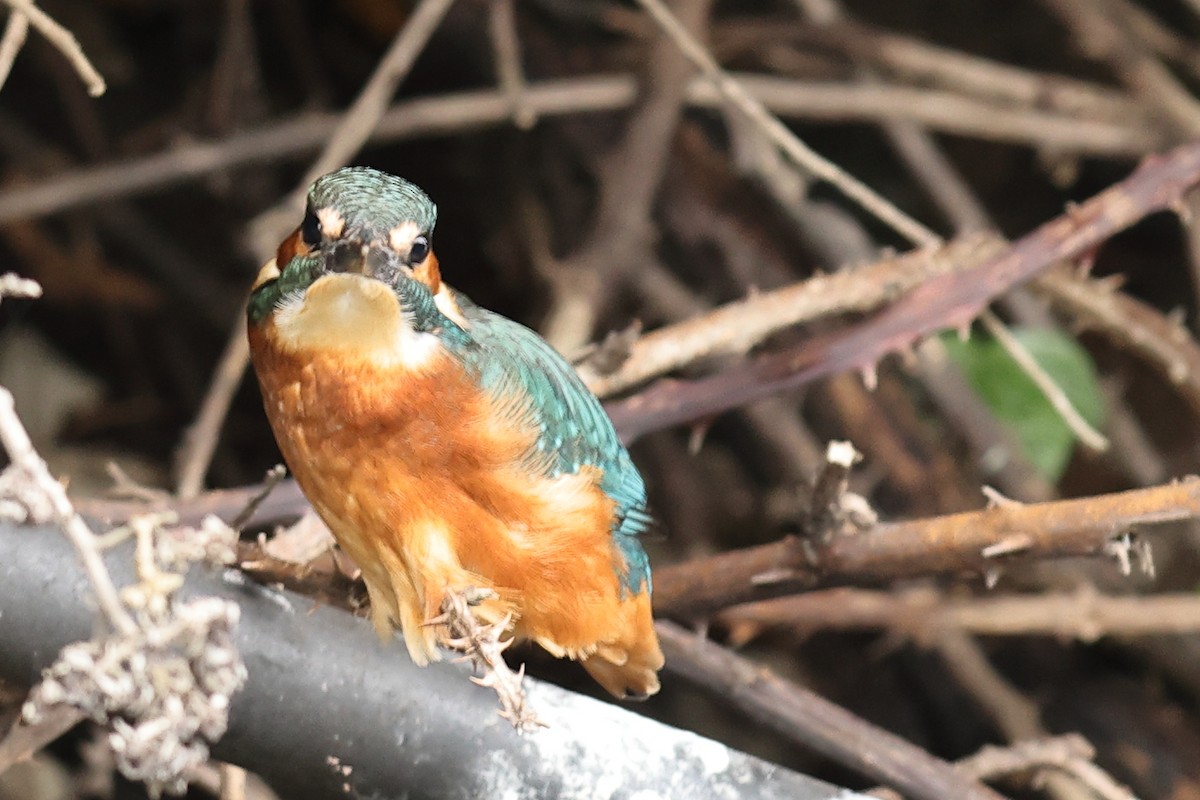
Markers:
(628, 666)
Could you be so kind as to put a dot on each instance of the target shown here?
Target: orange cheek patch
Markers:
(429, 273)
(294, 245)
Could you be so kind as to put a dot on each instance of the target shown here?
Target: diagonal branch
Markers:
(947, 301)
(973, 541)
(806, 717)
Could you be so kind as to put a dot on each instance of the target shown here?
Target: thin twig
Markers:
(356, 124)
(622, 235)
(1131, 324)
(200, 441)
(921, 614)
(1069, 754)
(940, 110)
(15, 31)
(63, 40)
(351, 133)
(22, 740)
(506, 45)
(24, 458)
(274, 475)
(233, 782)
(1053, 393)
(467, 110)
(1100, 35)
(1015, 715)
(804, 156)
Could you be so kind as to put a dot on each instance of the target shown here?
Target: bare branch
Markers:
(777, 132)
(63, 40)
(952, 543)
(15, 31)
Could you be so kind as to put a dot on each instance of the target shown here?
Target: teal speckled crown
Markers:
(373, 202)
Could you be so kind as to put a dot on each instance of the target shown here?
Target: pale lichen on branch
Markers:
(161, 677)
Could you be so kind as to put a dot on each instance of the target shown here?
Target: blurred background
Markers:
(590, 189)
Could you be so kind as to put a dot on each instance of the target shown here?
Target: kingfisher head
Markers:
(361, 253)
(365, 222)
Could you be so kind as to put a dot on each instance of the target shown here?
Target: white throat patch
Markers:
(357, 315)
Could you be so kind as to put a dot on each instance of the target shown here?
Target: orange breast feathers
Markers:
(426, 489)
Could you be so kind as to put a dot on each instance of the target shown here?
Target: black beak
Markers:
(369, 259)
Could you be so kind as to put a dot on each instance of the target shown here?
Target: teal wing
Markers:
(516, 365)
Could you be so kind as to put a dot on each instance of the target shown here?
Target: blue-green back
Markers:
(518, 366)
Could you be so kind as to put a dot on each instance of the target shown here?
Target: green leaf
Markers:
(1015, 399)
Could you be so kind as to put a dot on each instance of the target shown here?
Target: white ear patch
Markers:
(401, 237)
(332, 223)
(445, 302)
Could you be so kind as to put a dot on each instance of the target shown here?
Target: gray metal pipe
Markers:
(324, 695)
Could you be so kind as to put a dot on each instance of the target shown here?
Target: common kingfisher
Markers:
(445, 446)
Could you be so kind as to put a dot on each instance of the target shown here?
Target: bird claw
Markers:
(483, 644)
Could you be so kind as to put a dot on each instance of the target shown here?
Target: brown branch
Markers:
(1070, 754)
(950, 300)
(1131, 324)
(804, 157)
(623, 236)
(943, 111)
(355, 125)
(15, 31)
(813, 721)
(952, 543)
(737, 327)
(23, 740)
(461, 111)
(502, 25)
(1101, 36)
(200, 439)
(284, 504)
(920, 614)
(923, 63)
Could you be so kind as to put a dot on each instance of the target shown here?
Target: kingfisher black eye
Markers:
(310, 229)
(419, 250)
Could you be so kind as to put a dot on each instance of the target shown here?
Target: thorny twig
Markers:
(949, 300)
(484, 645)
(969, 541)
